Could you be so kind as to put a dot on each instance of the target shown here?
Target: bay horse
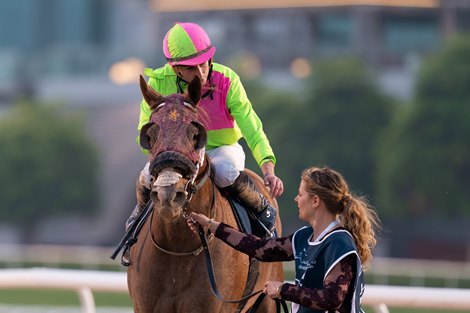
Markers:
(168, 273)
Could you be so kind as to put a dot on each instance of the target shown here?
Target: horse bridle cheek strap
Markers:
(190, 188)
(210, 272)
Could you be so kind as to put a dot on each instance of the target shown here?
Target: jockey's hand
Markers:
(276, 187)
(274, 183)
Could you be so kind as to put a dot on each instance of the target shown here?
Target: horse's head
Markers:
(175, 137)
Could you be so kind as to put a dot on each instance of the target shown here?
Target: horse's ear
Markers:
(194, 90)
(152, 97)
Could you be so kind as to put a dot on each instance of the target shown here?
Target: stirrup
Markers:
(126, 256)
(126, 253)
(267, 220)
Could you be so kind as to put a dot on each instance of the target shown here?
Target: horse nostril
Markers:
(154, 197)
(180, 197)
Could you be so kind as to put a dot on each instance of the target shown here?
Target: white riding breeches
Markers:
(145, 179)
(226, 162)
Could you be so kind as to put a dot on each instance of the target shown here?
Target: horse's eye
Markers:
(152, 132)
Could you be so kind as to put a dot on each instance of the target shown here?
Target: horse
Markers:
(168, 271)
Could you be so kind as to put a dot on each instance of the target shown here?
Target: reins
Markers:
(210, 272)
(197, 251)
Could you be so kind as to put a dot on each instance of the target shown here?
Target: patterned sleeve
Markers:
(267, 250)
(332, 295)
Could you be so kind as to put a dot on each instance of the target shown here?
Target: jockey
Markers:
(188, 51)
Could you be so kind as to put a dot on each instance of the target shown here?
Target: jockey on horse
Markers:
(188, 51)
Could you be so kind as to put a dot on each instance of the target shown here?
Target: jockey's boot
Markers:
(245, 192)
(143, 197)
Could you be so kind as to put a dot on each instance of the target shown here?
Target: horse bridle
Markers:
(190, 188)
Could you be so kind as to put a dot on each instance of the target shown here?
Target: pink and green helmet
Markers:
(187, 44)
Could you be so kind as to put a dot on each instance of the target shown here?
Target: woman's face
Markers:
(189, 72)
(305, 202)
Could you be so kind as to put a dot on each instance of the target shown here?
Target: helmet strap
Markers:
(210, 70)
(178, 83)
(209, 92)
(212, 87)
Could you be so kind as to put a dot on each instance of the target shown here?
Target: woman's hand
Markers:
(273, 289)
(208, 225)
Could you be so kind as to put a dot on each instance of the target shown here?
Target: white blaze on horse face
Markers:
(167, 177)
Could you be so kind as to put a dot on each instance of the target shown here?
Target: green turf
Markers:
(60, 297)
(106, 299)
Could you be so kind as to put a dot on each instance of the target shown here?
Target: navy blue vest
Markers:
(313, 262)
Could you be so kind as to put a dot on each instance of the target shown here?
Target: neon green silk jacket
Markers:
(230, 111)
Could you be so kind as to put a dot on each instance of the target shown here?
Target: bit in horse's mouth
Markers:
(175, 160)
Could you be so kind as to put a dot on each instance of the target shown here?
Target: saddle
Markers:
(249, 223)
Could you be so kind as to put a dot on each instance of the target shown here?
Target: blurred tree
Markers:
(340, 122)
(425, 153)
(334, 121)
(48, 166)
(277, 109)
